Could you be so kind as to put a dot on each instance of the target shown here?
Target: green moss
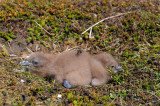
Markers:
(96, 36)
(7, 36)
(111, 29)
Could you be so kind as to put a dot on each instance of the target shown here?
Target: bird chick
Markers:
(75, 69)
(72, 68)
(108, 60)
(65, 67)
(38, 63)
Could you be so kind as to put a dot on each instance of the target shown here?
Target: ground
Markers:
(55, 26)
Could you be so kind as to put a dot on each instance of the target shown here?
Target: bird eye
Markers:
(79, 52)
(35, 62)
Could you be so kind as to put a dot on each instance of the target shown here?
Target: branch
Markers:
(29, 50)
(90, 34)
(43, 28)
(104, 20)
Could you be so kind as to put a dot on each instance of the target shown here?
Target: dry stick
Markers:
(68, 49)
(10, 46)
(37, 46)
(29, 50)
(43, 28)
(90, 33)
(104, 20)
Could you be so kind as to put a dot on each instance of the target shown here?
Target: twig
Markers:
(43, 28)
(37, 46)
(12, 55)
(10, 46)
(68, 49)
(90, 34)
(104, 20)
(29, 50)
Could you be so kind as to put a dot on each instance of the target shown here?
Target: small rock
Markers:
(22, 81)
(59, 96)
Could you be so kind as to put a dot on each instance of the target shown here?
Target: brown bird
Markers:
(108, 61)
(65, 67)
(38, 63)
(75, 69)
(72, 68)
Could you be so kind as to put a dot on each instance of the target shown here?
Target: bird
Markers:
(65, 67)
(108, 61)
(72, 68)
(38, 63)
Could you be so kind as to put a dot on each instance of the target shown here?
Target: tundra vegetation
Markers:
(57, 25)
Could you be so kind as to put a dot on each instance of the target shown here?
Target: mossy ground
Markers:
(133, 38)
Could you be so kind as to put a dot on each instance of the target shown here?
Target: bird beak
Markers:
(25, 63)
(119, 68)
